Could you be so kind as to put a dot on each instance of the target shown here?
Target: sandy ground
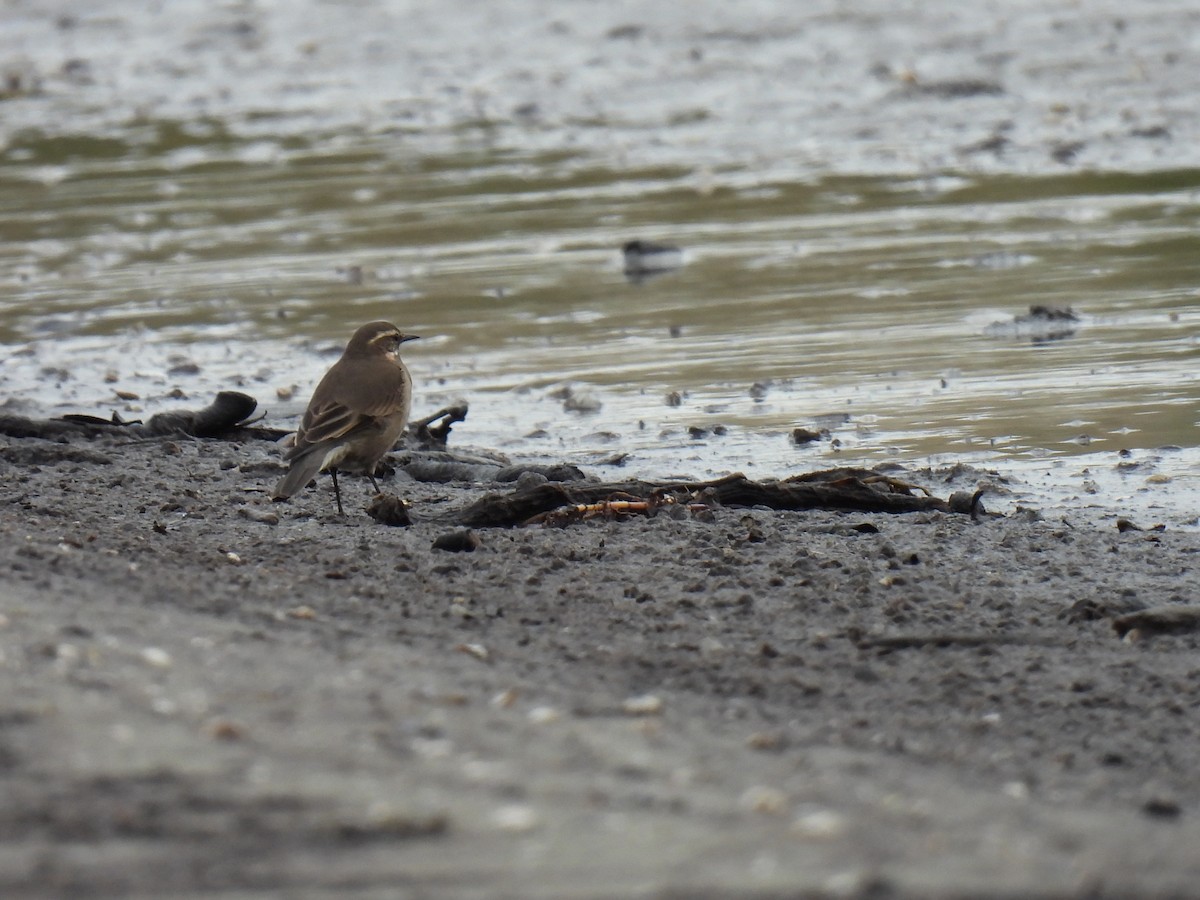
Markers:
(205, 693)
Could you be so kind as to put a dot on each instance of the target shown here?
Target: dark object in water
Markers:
(1049, 314)
(643, 258)
(801, 436)
(1041, 323)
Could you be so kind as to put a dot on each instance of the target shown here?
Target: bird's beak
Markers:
(409, 337)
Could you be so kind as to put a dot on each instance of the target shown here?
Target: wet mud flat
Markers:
(205, 693)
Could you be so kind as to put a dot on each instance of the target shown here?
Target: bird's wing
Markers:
(350, 409)
(328, 421)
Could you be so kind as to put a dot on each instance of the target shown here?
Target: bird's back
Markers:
(355, 396)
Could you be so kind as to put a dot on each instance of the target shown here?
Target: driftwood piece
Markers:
(425, 435)
(227, 417)
(53, 429)
(1173, 618)
(502, 510)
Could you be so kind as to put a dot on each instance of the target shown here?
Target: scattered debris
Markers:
(801, 436)
(826, 824)
(643, 705)
(388, 509)
(262, 516)
(1169, 619)
(543, 715)
(464, 541)
(516, 818)
(435, 437)
(1124, 525)
(950, 89)
(478, 651)
(843, 489)
(156, 657)
(1091, 609)
(1161, 808)
(764, 800)
(644, 259)
(225, 730)
(1041, 323)
(505, 699)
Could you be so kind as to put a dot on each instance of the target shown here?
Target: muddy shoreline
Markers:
(203, 694)
(203, 697)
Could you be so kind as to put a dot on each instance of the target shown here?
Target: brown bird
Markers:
(356, 413)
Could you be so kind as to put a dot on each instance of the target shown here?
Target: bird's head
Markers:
(378, 338)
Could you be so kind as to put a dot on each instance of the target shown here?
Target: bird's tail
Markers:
(304, 469)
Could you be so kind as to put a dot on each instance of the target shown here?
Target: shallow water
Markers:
(168, 256)
(863, 299)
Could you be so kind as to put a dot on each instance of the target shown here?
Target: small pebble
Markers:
(1161, 808)
(164, 706)
(516, 818)
(767, 800)
(766, 741)
(583, 403)
(478, 651)
(224, 730)
(543, 715)
(465, 541)
(156, 657)
(805, 435)
(262, 516)
(529, 480)
(1017, 790)
(822, 823)
(644, 705)
(505, 699)
(388, 509)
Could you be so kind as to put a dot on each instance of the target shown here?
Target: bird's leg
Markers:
(337, 492)
(374, 484)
